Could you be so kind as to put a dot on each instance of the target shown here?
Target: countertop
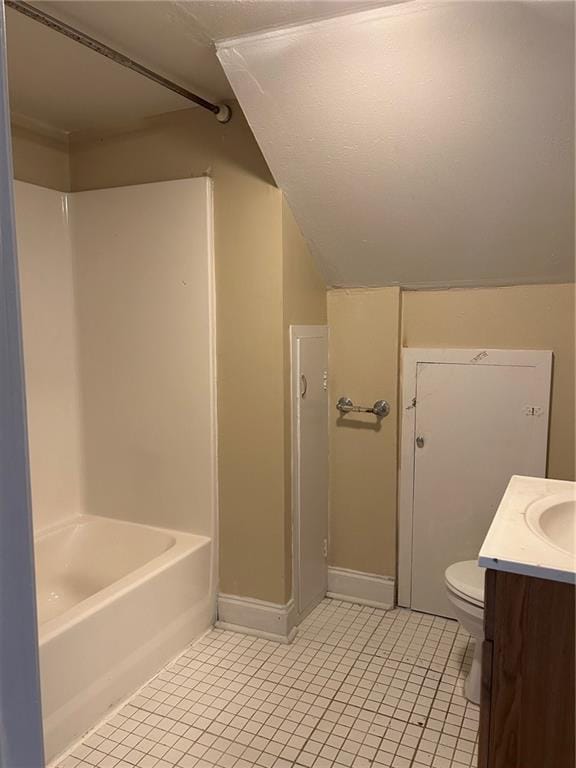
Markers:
(511, 545)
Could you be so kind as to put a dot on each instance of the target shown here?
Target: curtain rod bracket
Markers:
(224, 114)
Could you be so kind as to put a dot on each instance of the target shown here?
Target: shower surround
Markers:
(117, 296)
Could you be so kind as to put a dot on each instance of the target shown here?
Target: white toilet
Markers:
(465, 585)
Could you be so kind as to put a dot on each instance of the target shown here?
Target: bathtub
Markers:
(116, 601)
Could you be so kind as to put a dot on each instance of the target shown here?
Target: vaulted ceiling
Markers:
(424, 144)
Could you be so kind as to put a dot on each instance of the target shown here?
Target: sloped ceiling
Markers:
(56, 83)
(425, 144)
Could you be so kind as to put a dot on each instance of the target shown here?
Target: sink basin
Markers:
(553, 518)
(533, 532)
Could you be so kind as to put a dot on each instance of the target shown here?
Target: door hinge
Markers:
(325, 380)
(325, 547)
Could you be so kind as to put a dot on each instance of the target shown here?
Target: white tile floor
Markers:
(358, 687)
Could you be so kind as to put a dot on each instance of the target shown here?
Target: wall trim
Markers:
(272, 621)
(363, 588)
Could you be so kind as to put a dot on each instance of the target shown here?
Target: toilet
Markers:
(465, 587)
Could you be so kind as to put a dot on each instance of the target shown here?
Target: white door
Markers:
(20, 711)
(310, 463)
(477, 419)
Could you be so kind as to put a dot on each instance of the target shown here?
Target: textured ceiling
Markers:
(425, 144)
(58, 83)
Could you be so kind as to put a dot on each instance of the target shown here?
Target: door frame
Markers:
(21, 740)
(298, 332)
(411, 357)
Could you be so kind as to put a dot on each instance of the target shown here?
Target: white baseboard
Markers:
(364, 588)
(271, 621)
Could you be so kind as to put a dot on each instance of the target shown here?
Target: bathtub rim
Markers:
(183, 544)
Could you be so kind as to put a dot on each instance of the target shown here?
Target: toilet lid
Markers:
(467, 579)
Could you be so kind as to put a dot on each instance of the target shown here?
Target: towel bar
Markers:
(380, 408)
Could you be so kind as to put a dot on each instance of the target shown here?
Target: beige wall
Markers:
(304, 303)
(363, 351)
(304, 288)
(40, 159)
(521, 317)
(365, 339)
(257, 295)
(49, 327)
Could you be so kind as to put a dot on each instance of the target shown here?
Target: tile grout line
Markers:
(387, 657)
(412, 763)
(436, 687)
(169, 667)
(332, 644)
(386, 611)
(331, 699)
(358, 653)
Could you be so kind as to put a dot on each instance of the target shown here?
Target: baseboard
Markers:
(364, 588)
(272, 621)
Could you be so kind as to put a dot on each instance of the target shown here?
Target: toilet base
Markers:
(473, 682)
(471, 617)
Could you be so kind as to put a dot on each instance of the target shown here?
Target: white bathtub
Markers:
(116, 601)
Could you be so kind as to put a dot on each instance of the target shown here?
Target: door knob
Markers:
(420, 441)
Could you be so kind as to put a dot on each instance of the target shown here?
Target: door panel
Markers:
(474, 429)
(21, 741)
(311, 469)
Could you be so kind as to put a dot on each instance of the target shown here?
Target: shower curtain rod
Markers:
(222, 112)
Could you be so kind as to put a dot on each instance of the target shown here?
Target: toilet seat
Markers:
(466, 580)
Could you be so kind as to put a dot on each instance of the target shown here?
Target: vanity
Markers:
(527, 709)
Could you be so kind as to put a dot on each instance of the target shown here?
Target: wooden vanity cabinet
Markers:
(527, 710)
